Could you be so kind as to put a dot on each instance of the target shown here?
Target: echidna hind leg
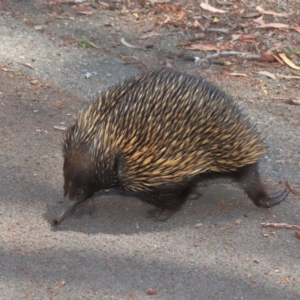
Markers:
(160, 214)
(248, 178)
(166, 204)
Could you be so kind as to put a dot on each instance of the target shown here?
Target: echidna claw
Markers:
(276, 198)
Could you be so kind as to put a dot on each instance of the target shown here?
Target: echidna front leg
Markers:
(248, 178)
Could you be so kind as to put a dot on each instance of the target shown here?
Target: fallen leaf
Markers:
(166, 20)
(196, 24)
(296, 28)
(235, 37)
(62, 283)
(136, 15)
(235, 74)
(209, 47)
(163, 7)
(198, 225)
(169, 65)
(212, 9)
(86, 12)
(184, 43)
(38, 27)
(247, 37)
(180, 14)
(292, 102)
(278, 59)
(297, 234)
(238, 222)
(148, 35)
(268, 12)
(244, 37)
(59, 105)
(259, 20)
(62, 128)
(288, 77)
(287, 279)
(268, 74)
(151, 292)
(203, 47)
(274, 25)
(288, 61)
(27, 65)
(35, 82)
(127, 44)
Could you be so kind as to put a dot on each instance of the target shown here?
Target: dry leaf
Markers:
(274, 25)
(198, 225)
(148, 35)
(238, 222)
(184, 43)
(62, 283)
(212, 9)
(169, 65)
(268, 74)
(203, 47)
(259, 20)
(244, 37)
(235, 37)
(292, 102)
(35, 82)
(86, 12)
(288, 77)
(288, 62)
(127, 44)
(166, 20)
(151, 292)
(38, 27)
(136, 15)
(180, 14)
(62, 128)
(267, 12)
(235, 74)
(296, 28)
(247, 37)
(278, 59)
(196, 24)
(297, 234)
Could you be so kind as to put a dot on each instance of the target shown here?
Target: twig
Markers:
(280, 225)
(220, 30)
(62, 128)
(225, 53)
(93, 45)
(224, 3)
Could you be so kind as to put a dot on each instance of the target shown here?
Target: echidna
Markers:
(156, 136)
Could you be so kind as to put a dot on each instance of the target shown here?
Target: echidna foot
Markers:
(195, 195)
(275, 198)
(85, 207)
(159, 214)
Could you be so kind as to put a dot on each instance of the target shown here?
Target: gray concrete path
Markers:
(118, 253)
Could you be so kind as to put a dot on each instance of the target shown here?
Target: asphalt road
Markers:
(118, 253)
